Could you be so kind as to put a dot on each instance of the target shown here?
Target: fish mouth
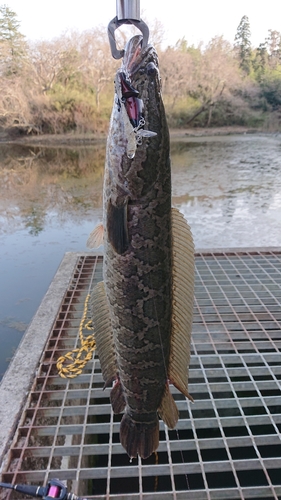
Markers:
(133, 104)
(136, 60)
(136, 68)
(133, 51)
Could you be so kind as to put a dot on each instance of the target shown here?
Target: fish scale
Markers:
(147, 307)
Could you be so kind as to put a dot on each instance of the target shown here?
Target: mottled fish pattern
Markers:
(142, 311)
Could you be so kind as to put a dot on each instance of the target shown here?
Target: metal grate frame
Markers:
(226, 445)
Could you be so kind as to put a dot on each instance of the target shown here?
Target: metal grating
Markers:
(226, 445)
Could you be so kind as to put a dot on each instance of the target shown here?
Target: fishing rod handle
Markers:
(54, 489)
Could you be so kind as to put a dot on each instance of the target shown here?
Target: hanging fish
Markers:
(142, 311)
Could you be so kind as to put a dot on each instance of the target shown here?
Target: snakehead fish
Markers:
(142, 311)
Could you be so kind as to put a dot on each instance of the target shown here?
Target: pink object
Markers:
(54, 492)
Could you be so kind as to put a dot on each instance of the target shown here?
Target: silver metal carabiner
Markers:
(128, 12)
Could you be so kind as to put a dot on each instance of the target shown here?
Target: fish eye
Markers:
(151, 68)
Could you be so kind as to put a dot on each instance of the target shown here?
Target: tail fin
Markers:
(139, 438)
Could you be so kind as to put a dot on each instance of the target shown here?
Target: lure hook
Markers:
(128, 12)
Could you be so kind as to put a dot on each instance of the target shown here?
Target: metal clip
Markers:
(115, 24)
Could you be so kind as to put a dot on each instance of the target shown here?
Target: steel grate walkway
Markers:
(226, 445)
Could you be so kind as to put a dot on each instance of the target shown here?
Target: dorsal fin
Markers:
(182, 301)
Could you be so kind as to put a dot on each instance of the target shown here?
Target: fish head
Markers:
(138, 80)
(136, 116)
(137, 173)
(140, 64)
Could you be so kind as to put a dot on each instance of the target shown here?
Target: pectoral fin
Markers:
(182, 301)
(117, 227)
(95, 239)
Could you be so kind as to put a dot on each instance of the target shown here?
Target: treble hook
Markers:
(128, 12)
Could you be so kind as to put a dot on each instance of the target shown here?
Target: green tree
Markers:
(267, 66)
(273, 44)
(242, 45)
(260, 61)
(12, 42)
(271, 90)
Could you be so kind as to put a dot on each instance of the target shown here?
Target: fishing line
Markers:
(159, 332)
(182, 459)
(166, 373)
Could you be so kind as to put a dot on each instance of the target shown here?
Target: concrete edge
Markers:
(18, 378)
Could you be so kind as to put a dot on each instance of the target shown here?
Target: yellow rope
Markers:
(79, 357)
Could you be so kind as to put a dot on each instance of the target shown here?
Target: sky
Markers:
(197, 21)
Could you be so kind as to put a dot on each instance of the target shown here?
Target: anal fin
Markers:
(105, 346)
(103, 333)
(183, 270)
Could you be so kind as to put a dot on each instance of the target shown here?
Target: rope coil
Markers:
(71, 364)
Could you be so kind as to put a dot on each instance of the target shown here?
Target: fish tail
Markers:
(139, 438)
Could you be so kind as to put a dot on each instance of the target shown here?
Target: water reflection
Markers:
(229, 189)
(37, 184)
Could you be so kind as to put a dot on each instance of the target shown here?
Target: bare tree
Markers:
(95, 61)
(52, 62)
(177, 66)
(14, 104)
(202, 74)
(219, 73)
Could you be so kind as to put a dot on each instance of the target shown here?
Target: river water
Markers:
(228, 187)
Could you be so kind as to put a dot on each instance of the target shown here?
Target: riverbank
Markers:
(90, 138)
(211, 131)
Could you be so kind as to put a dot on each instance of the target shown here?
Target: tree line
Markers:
(66, 84)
